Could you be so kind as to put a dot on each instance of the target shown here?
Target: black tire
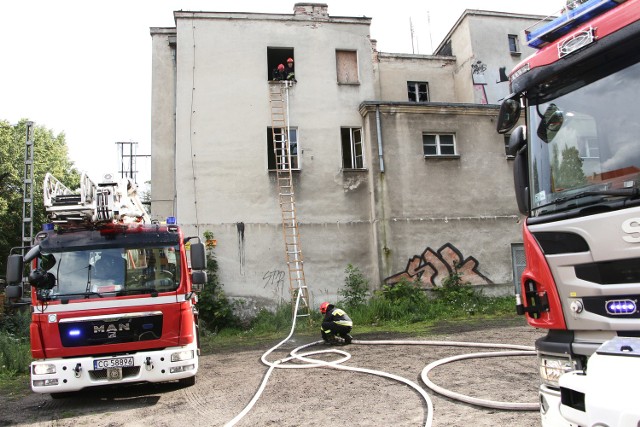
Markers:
(187, 382)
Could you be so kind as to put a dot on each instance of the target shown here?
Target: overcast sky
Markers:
(83, 67)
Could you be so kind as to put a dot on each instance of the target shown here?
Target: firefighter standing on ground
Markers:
(335, 322)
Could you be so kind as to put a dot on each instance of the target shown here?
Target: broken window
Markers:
(352, 149)
(347, 66)
(280, 56)
(277, 156)
(439, 144)
(513, 44)
(418, 91)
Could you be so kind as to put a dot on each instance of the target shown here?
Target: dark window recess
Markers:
(275, 57)
(279, 151)
(352, 150)
(418, 91)
(610, 272)
(554, 243)
(513, 43)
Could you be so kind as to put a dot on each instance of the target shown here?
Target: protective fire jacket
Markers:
(338, 316)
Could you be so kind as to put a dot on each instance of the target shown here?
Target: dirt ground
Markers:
(227, 381)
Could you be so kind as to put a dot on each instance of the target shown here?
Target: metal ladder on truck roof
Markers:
(114, 201)
(279, 101)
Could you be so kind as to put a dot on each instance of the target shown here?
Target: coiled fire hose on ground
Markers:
(513, 350)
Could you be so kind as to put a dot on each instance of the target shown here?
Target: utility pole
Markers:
(128, 157)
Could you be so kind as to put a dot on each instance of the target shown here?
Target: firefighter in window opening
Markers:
(290, 70)
(335, 322)
(278, 73)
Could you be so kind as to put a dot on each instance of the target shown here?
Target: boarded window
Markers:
(347, 66)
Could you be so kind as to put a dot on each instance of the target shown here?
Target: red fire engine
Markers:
(113, 295)
(577, 180)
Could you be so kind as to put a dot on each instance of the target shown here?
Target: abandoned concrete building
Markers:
(397, 167)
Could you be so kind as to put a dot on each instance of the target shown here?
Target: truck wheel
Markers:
(187, 382)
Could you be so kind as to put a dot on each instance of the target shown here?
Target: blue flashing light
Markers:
(74, 332)
(171, 220)
(624, 306)
(48, 226)
(147, 326)
(567, 22)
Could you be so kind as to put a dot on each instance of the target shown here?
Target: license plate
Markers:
(114, 362)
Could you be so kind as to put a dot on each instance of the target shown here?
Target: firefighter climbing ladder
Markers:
(279, 100)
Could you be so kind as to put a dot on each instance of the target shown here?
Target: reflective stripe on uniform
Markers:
(343, 323)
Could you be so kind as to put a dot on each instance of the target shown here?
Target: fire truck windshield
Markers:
(112, 272)
(585, 144)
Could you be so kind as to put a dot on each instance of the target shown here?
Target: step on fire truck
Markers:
(577, 180)
(113, 294)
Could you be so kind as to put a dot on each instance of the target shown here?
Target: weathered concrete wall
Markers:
(455, 210)
(395, 70)
(223, 114)
(163, 143)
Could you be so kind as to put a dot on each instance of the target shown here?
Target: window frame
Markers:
(356, 158)
(416, 91)
(514, 44)
(342, 65)
(438, 145)
(294, 140)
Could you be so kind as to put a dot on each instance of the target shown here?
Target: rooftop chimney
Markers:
(311, 10)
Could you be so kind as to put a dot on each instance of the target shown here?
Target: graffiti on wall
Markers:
(432, 267)
(274, 279)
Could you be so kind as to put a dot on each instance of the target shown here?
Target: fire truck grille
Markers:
(96, 331)
(128, 372)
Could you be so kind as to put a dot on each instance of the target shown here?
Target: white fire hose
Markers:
(516, 350)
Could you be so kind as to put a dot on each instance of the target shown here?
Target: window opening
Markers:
(352, 148)
(513, 43)
(418, 91)
(277, 56)
(347, 66)
(282, 160)
(439, 144)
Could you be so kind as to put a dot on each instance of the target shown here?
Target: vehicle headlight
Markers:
(44, 368)
(182, 355)
(552, 367)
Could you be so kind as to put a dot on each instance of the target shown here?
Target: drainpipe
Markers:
(379, 133)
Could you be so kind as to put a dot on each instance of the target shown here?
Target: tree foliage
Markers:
(50, 154)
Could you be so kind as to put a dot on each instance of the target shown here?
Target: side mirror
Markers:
(509, 114)
(550, 124)
(198, 259)
(521, 181)
(13, 292)
(40, 279)
(517, 140)
(15, 266)
(198, 280)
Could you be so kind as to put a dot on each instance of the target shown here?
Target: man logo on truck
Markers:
(111, 329)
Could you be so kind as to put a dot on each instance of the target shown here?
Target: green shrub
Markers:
(405, 290)
(356, 289)
(15, 351)
(216, 310)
